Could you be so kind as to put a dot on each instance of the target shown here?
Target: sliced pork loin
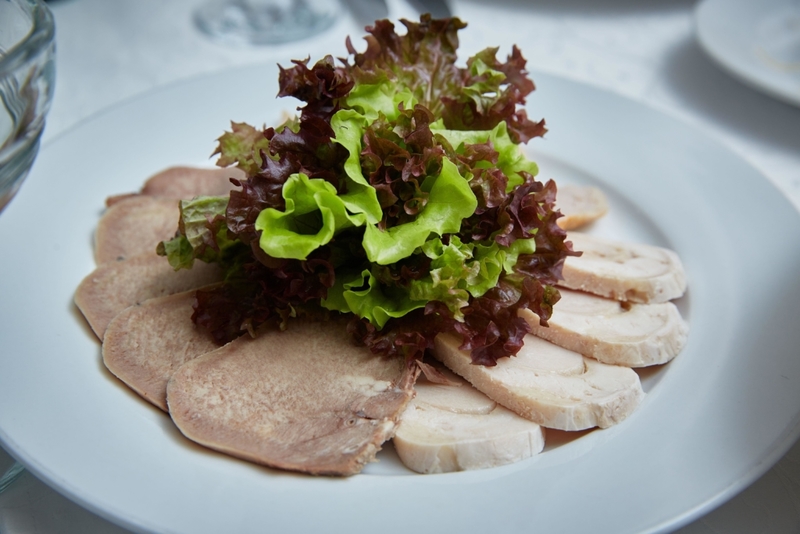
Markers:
(305, 399)
(454, 427)
(145, 344)
(618, 333)
(186, 182)
(549, 385)
(631, 272)
(580, 205)
(115, 285)
(134, 226)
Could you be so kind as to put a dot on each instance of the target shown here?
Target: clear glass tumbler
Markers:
(27, 73)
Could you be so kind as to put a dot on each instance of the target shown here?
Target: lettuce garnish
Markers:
(400, 195)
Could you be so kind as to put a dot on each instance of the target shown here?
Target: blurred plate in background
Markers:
(757, 42)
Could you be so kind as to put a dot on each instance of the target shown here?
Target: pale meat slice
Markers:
(580, 205)
(549, 385)
(618, 333)
(189, 182)
(145, 344)
(632, 272)
(305, 399)
(134, 226)
(455, 427)
(115, 285)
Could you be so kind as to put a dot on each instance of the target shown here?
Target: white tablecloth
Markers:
(112, 50)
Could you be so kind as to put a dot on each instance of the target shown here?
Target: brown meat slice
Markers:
(186, 182)
(305, 399)
(134, 226)
(145, 344)
(115, 285)
(189, 182)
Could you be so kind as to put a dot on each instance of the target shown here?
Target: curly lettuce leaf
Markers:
(460, 270)
(202, 233)
(453, 274)
(314, 214)
(302, 145)
(423, 61)
(450, 200)
(380, 96)
(244, 146)
(361, 197)
(510, 159)
(361, 294)
(178, 251)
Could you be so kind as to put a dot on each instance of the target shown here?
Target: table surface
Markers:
(112, 51)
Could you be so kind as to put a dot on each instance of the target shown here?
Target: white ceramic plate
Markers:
(747, 39)
(714, 419)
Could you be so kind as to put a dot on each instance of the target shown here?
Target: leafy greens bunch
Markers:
(400, 195)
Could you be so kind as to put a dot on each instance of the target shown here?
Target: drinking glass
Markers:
(27, 73)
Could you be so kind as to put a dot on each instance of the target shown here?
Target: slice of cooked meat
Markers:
(549, 385)
(633, 272)
(186, 182)
(455, 427)
(145, 344)
(134, 226)
(580, 205)
(113, 286)
(189, 182)
(305, 399)
(617, 333)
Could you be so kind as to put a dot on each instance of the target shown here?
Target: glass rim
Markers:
(38, 39)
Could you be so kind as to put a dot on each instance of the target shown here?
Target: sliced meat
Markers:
(189, 182)
(551, 386)
(134, 226)
(449, 428)
(305, 399)
(113, 286)
(186, 182)
(624, 271)
(146, 343)
(580, 205)
(618, 333)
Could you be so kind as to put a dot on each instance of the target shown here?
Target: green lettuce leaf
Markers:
(460, 270)
(203, 233)
(361, 197)
(380, 97)
(313, 215)
(244, 146)
(178, 251)
(361, 293)
(453, 273)
(511, 159)
(486, 87)
(450, 200)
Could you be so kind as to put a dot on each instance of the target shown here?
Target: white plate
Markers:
(714, 419)
(741, 35)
